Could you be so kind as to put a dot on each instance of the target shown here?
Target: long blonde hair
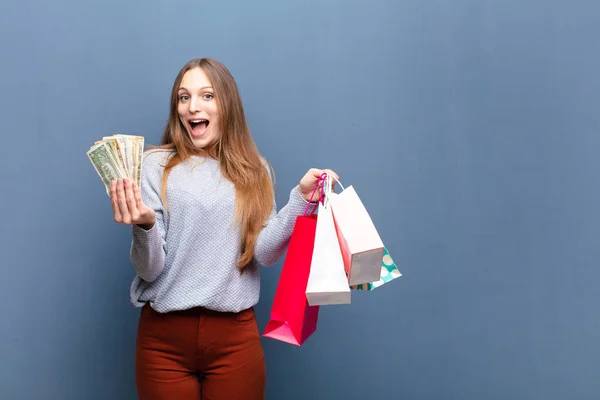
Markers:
(235, 151)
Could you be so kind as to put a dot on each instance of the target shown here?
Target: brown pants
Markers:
(199, 354)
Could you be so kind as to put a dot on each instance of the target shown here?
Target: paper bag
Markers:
(389, 271)
(361, 245)
(292, 320)
(327, 282)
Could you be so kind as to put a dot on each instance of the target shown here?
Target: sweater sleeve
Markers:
(274, 238)
(148, 246)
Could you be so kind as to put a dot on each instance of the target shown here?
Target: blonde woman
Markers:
(203, 222)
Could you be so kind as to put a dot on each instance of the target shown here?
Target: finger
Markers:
(316, 173)
(122, 201)
(131, 203)
(138, 197)
(113, 201)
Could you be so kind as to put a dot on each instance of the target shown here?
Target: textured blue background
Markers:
(470, 129)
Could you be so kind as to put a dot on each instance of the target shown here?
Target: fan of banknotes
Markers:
(118, 156)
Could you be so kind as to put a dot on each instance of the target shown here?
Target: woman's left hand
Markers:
(310, 180)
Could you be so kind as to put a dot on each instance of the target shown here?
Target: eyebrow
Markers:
(203, 87)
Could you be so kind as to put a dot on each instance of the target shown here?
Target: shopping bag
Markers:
(361, 245)
(389, 272)
(327, 282)
(292, 319)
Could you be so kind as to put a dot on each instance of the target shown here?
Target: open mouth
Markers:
(198, 126)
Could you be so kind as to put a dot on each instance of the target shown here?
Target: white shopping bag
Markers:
(327, 282)
(361, 245)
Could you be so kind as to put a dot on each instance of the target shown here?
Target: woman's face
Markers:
(197, 108)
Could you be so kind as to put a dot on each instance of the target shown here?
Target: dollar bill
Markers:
(139, 153)
(134, 149)
(119, 153)
(126, 143)
(104, 163)
(118, 156)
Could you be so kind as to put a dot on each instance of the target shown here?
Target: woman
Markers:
(203, 221)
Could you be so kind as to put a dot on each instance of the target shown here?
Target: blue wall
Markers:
(470, 129)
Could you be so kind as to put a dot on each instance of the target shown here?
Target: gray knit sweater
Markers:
(188, 258)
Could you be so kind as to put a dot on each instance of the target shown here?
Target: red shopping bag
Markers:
(293, 320)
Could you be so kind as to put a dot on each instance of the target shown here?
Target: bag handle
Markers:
(340, 183)
(325, 181)
(320, 181)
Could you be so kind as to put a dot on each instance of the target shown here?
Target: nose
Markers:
(195, 105)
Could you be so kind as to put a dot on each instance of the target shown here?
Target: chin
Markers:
(202, 142)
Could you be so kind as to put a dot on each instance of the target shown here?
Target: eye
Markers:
(208, 96)
(184, 97)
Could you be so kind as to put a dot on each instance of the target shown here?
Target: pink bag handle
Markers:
(321, 181)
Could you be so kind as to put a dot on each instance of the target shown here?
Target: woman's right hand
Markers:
(127, 204)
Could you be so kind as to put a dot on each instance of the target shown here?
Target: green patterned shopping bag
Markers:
(389, 272)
